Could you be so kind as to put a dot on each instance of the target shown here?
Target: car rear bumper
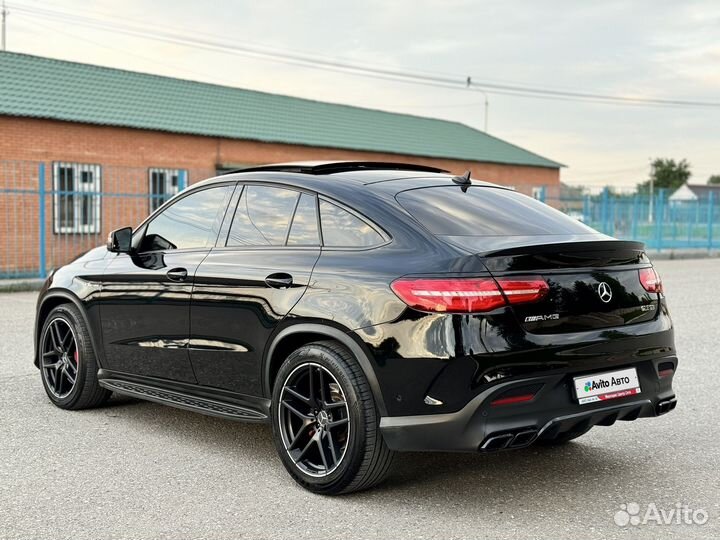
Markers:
(480, 426)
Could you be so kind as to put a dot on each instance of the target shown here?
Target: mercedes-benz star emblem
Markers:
(604, 292)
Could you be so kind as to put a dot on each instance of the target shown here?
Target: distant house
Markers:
(696, 192)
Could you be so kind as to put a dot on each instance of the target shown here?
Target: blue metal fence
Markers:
(660, 222)
(52, 212)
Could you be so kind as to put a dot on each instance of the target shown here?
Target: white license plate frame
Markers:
(606, 386)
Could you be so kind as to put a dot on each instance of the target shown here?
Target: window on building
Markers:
(262, 217)
(340, 228)
(190, 223)
(164, 183)
(76, 198)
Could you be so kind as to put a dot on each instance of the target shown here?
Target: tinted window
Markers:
(189, 223)
(484, 211)
(342, 229)
(262, 217)
(304, 228)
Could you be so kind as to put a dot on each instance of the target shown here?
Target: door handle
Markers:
(177, 274)
(280, 280)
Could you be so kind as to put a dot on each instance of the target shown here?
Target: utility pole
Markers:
(4, 26)
(652, 195)
(484, 93)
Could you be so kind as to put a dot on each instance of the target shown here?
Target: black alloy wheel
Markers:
(67, 363)
(326, 423)
(60, 358)
(314, 419)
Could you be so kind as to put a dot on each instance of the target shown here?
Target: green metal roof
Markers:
(40, 87)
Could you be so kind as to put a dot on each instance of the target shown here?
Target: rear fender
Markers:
(342, 336)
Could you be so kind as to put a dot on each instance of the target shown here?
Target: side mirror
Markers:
(119, 241)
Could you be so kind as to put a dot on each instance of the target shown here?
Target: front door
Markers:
(145, 298)
(249, 283)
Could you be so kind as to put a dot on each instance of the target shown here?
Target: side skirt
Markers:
(193, 398)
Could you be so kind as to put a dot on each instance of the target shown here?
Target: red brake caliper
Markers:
(76, 357)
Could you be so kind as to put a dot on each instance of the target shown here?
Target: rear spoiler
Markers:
(571, 247)
(522, 253)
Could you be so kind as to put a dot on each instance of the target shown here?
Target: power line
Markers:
(205, 76)
(617, 172)
(154, 25)
(330, 64)
(85, 39)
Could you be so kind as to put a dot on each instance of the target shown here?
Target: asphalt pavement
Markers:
(139, 470)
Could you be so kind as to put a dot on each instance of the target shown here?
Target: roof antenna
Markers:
(463, 181)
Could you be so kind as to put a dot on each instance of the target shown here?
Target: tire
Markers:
(564, 437)
(84, 392)
(365, 460)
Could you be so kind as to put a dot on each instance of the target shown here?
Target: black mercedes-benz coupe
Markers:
(363, 309)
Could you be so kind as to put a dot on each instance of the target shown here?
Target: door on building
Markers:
(145, 298)
(248, 283)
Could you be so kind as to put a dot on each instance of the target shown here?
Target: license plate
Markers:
(606, 386)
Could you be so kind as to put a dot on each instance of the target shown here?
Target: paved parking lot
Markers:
(140, 470)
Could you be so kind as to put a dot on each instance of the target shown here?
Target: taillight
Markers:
(650, 280)
(471, 295)
(523, 290)
(450, 295)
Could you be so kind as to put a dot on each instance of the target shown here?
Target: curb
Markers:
(20, 285)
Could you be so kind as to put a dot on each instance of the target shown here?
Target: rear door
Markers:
(258, 271)
(145, 298)
(593, 281)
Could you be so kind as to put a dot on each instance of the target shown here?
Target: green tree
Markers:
(714, 179)
(667, 173)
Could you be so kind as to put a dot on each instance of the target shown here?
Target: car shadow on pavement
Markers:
(510, 473)
(515, 475)
(218, 434)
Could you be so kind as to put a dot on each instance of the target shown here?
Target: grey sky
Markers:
(658, 49)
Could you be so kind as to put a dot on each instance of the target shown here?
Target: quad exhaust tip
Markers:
(514, 439)
(520, 438)
(665, 406)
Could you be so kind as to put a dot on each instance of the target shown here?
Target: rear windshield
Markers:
(485, 211)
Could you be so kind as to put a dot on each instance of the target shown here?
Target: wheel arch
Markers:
(296, 335)
(50, 301)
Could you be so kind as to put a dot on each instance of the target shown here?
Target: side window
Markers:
(342, 229)
(262, 216)
(304, 228)
(189, 223)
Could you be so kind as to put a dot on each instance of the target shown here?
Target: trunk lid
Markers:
(592, 284)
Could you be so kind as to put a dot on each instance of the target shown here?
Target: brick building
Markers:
(85, 149)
